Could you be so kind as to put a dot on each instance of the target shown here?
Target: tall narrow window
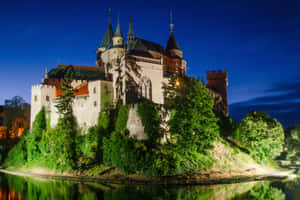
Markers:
(144, 90)
(47, 98)
(35, 98)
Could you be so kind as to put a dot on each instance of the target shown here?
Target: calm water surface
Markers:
(17, 188)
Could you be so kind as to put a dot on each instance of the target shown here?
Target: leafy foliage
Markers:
(263, 136)
(17, 156)
(192, 121)
(151, 120)
(64, 101)
(193, 127)
(16, 108)
(122, 118)
(293, 144)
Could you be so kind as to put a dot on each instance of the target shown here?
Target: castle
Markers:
(127, 72)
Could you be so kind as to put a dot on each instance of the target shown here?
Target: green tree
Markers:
(62, 138)
(35, 135)
(293, 144)
(192, 118)
(16, 108)
(262, 135)
(64, 101)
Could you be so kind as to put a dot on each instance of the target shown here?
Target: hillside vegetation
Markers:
(194, 141)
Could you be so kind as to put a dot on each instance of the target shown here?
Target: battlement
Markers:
(216, 74)
(79, 81)
(42, 86)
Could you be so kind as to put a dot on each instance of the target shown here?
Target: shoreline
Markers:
(203, 179)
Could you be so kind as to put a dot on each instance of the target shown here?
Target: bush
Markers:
(192, 120)
(262, 135)
(151, 120)
(293, 144)
(17, 156)
(131, 156)
(34, 137)
(122, 118)
(61, 144)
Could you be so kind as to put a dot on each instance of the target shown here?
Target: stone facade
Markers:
(126, 73)
(134, 124)
(86, 107)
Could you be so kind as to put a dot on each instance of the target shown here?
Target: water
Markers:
(17, 188)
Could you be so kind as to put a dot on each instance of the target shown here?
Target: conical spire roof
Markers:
(130, 34)
(172, 43)
(118, 32)
(107, 39)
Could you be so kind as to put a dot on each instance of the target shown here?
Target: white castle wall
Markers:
(155, 73)
(41, 95)
(86, 108)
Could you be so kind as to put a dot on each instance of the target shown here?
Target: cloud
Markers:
(282, 101)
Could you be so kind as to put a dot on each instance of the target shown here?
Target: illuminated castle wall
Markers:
(126, 72)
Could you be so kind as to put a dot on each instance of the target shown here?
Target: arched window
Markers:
(146, 88)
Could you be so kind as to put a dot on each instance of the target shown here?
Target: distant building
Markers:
(126, 72)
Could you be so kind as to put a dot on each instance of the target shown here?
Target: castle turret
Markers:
(107, 39)
(118, 39)
(130, 35)
(107, 42)
(172, 47)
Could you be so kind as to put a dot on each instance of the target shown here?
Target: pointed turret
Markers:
(118, 40)
(172, 46)
(107, 40)
(130, 35)
(118, 32)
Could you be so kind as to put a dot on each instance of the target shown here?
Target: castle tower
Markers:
(173, 48)
(107, 42)
(218, 82)
(118, 39)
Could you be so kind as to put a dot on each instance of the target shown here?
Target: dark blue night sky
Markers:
(257, 41)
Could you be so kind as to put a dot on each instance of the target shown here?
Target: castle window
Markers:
(47, 98)
(94, 90)
(146, 89)
(95, 103)
(35, 98)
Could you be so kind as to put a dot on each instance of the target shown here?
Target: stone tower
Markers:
(218, 82)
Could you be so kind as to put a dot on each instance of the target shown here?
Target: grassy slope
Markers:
(230, 163)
